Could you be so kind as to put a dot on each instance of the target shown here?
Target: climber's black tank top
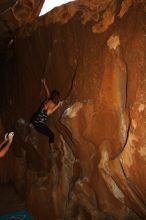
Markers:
(40, 116)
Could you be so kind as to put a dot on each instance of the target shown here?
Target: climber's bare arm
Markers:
(56, 107)
(50, 109)
(46, 87)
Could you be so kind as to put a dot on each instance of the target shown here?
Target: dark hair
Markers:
(55, 96)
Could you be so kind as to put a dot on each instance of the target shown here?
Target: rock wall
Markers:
(94, 53)
(16, 13)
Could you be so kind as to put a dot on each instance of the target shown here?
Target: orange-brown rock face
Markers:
(95, 55)
(16, 13)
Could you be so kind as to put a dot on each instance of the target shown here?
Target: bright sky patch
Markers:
(50, 4)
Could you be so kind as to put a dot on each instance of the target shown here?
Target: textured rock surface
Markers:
(14, 14)
(94, 53)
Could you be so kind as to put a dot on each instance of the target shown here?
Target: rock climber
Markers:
(40, 117)
(5, 145)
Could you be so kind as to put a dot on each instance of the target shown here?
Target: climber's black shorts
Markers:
(42, 128)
